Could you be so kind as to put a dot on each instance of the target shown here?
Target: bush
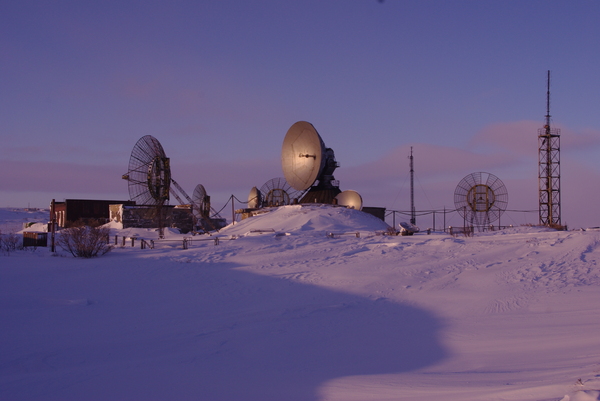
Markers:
(85, 241)
(9, 242)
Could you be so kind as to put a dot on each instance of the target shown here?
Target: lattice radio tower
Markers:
(549, 170)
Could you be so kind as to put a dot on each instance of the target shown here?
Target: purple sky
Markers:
(219, 83)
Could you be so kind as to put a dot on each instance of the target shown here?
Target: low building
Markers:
(74, 212)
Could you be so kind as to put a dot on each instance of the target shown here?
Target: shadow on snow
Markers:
(198, 332)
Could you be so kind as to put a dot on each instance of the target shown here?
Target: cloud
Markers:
(521, 138)
(432, 163)
(517, 138)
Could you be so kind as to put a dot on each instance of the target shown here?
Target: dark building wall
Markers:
(145, 217)
(88, 210)
(378, 212)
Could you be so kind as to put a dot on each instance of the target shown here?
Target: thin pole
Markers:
(232, 211)
(549, 156)
(413, 218)
(52, 226)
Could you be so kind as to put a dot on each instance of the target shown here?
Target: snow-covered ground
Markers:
(279, 310)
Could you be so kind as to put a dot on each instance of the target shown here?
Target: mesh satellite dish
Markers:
(200, 202)
(254, 198)
(149, 173)
(278, 192)
(349, 198)
(480, 198)
(305, 161)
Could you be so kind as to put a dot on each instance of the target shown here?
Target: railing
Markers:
(151, 244)
(334, 235)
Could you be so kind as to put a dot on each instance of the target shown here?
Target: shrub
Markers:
(84, 241)
(9, 242)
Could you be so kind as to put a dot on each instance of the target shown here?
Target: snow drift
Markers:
(511, 315)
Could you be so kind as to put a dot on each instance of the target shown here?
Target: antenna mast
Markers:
(549, 170)
(413, 218)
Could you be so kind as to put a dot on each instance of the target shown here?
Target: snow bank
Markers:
(509, 315)
(307, 218)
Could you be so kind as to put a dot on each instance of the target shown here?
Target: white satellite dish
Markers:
(302, 155)
(308, 165)
(349, 198)
(408, 228)
(254, 198)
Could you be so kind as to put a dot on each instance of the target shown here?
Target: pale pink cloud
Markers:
(521, 138)
(432, 162)
(518, 138)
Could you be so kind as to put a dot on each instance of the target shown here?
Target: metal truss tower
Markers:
(549, 170)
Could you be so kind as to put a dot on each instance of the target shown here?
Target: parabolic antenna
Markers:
(408, 228)
(308, 165)
(149, 173)
(200, 202)
(480, 198)
(254, 198)
(277, 192)
(302, 155)
(349, 198)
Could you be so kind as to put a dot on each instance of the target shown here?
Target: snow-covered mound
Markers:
(308, 217)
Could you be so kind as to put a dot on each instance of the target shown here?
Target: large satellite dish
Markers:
(480, 198)
(149, 173)
(305, 161)
(277, 192)
(302, 155)
(349, 198)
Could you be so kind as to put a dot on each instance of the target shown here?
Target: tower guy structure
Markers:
(549, 170)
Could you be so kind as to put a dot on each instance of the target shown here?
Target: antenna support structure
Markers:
(413, 215)
(549, 170)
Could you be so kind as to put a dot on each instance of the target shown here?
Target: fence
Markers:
(151, 244)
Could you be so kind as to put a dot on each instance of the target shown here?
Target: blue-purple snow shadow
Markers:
(190, 331)
(310, 335)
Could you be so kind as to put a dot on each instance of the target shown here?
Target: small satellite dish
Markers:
(408, 228)
(254, 198)
(277, 192)
(349, 198)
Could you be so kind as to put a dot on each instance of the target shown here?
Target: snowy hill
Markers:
(280, 311)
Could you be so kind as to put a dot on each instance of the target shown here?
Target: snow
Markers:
(279, 310)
